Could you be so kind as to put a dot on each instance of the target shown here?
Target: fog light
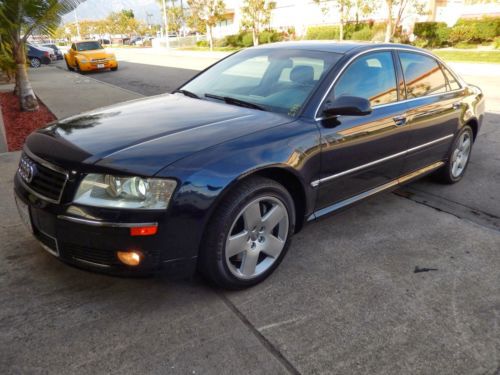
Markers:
(130, 258)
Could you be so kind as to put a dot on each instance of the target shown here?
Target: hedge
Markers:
(245, 39)
(322, 32)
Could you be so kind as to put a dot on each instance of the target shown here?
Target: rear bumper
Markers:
(92, 244)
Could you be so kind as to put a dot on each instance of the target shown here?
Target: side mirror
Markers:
(347, 106)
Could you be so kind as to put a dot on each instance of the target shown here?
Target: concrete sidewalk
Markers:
(67, 93)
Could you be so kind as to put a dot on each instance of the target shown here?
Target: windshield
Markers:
(88, 46)
(277, 80)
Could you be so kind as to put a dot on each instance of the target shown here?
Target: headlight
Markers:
(125, 192)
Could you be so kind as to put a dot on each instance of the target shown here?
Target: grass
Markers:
(469, 56)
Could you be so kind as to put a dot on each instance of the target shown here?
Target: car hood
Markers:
(146, 135)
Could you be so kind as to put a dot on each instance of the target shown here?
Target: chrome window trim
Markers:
(97, 223)
(48, 165)
(461, 83)
(315, 183)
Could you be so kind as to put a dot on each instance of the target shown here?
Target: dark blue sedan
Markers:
(220, 174)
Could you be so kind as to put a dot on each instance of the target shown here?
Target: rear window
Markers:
(423, 75)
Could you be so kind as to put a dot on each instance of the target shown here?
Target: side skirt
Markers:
(387, 186)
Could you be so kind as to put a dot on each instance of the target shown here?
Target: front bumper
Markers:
(90, 238)
(98, 65)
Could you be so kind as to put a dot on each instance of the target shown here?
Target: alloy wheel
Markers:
(35, 63)
(257, 237)
(461, 154)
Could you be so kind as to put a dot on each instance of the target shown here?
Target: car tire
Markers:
(77, 68)
(239, 250)
(35, 62)
(458, 157)
(68, 66)
(114, 69)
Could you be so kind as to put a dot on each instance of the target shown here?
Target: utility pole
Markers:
(165, 23)
(77, 26)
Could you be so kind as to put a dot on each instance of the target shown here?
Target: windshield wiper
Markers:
(187, 93)
(235, 101)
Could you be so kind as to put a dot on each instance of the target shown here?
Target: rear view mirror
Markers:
(347, 106)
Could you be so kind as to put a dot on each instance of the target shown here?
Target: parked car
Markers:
(57, 52)
(220, 174)
(89, 55)
(38, 55)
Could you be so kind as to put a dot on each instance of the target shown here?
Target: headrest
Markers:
(302, 74)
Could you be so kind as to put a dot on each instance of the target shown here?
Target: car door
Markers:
(360, 153)
(433, 109)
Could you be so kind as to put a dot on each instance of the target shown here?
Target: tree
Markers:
(344, 8)
(20, 18)
(257, 13)
(397, 10)
(210, 12)
(175, 15)
(122, 22)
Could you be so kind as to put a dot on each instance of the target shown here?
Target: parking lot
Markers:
(345, 300)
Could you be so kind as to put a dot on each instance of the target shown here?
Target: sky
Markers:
(98, 9)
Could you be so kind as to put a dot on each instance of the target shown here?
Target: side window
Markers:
(452, 82)
(371, 77)
(73, 47)
(423, 76)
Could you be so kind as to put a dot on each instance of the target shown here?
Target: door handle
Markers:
(399, 120)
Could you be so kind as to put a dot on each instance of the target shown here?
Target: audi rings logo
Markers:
(27, 169)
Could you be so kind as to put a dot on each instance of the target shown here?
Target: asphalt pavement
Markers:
(345, 300)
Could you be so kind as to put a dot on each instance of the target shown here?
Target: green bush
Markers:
(433, 33)
(484, 29)
(322, 32)
(461, 33)
(202, 43)
(270, 37)
(246, 40)
(363, 34)
(465, 45)
(496, 42)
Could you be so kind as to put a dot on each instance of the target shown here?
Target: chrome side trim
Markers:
(315, 183)
(92, 263)
(378, 189)
(96, 223)
(346, 65)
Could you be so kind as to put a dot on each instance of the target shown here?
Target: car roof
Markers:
(335, 45)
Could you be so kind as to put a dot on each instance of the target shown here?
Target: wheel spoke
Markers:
(273, 247)
(454, 168)
(466, 146)
(236, 244)
(252, 216)
(273, 217)
(249, 263)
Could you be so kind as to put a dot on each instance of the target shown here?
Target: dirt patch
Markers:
(18, 125)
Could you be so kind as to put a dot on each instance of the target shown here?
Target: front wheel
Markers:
(68, 66)
(458, 158)
(249, 234)
(114, 69)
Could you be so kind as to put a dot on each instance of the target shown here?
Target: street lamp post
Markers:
(165, 23)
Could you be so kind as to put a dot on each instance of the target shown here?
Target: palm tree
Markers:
(19, 19)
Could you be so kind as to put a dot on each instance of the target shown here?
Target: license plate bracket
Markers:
(100, 66)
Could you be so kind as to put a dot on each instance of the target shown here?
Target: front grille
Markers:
(46, 180)
(99, 60)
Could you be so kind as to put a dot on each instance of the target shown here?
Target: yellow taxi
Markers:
(89, 55)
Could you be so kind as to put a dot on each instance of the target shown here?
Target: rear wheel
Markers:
(249, 234)
(458, 159)
(35, 62)
(114, 69)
